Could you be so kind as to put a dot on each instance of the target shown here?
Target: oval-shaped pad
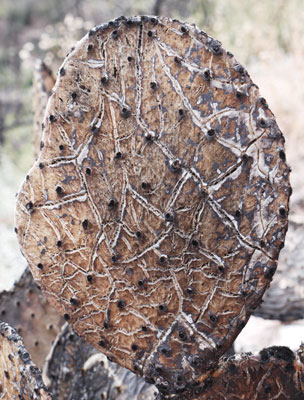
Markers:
(154, 216)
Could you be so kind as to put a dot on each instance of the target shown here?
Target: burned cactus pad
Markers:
(76, 370)
(19, 377)
(154, 216)
(25, 308)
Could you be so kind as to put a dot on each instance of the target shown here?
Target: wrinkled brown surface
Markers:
(19, 377)
(154, 215)
(26, 309)
(43, 82)
(275, 373)
(76, 370)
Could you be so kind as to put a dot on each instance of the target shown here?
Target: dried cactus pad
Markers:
(19, 377)
(154, 216)
(76, 370)
(25, 308)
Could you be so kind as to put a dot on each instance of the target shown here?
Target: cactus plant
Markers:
(19, 376)
(26, 309)
(156, 211)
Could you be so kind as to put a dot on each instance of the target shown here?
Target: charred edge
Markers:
(139, 43)
(269, 272)
(279, 352)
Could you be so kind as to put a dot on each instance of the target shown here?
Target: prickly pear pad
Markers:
(155, 213)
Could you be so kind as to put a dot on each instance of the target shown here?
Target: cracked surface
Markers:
(156, 211)
(76, 369)
(274, 373)
(19, 377)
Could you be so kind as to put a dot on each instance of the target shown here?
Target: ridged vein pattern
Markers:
(156, 211)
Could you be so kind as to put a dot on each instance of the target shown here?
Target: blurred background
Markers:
(265, 35)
